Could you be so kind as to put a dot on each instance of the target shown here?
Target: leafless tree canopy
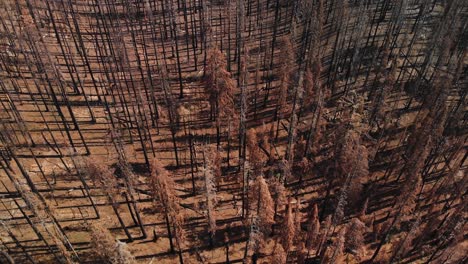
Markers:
(216, 131)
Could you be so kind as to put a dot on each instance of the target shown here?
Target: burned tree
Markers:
(107, 248)
(163, 192)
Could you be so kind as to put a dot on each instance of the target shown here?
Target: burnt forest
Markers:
(233, 131)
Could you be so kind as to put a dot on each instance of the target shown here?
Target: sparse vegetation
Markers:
(299, 131)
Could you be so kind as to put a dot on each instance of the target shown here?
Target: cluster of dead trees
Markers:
(275, 131)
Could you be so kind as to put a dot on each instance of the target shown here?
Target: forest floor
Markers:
(65, 193)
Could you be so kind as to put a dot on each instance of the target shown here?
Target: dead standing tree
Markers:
(286, 70)
(288, 230)
(262, 203)
(130, 181)
(107, 248)
(104, 177)
(211, 171)
(104, 48)
(40, 208)
(163, 191)
(172, 106)
(257, 157)
(221, 88)
(313, 230)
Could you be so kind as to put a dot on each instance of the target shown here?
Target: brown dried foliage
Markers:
(335, 253)
(352, 160)
(256, 156)
(102, 176)
(313, 229)
(288, 230)
(163, 190)
(107, 248)
(354, 239)
(221, 87)
(264, 204)
(279, 255)
(287, 67)
(212, 168)
(278, 191)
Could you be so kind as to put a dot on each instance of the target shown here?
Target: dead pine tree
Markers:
(279, 255)
(103, 177)
(220, 87)
(278, 193)
(44, 213)
(314, 99)
(297, 98)
(288, 230)
(130, 181)
(287, 67)
(263, 204)
(262, 218)
(172, 105)
(350, 163)
(209, 170)
(257, 157)
(163, 191)
(354, 238)
(336, 250)
(402, 247)
(254, 242)
(313, 230)
(107, 248)
(427, 132)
